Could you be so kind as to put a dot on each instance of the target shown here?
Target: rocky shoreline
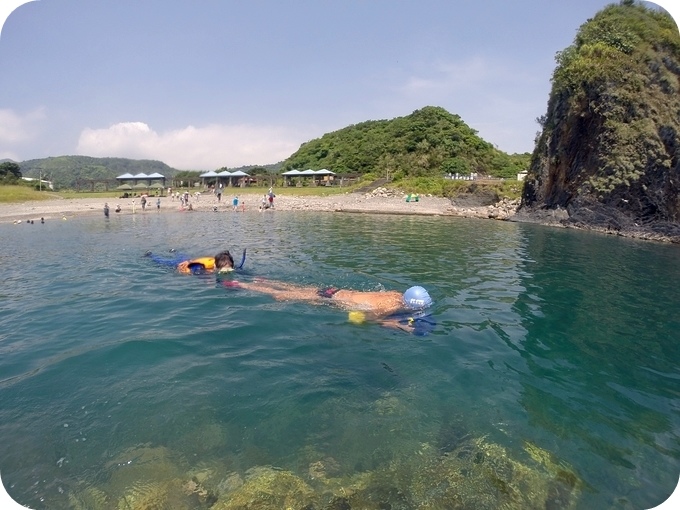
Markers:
(378, 201)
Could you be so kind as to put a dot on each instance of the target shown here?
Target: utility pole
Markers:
(40, 180)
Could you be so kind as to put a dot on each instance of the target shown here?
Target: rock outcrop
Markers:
(608, 156)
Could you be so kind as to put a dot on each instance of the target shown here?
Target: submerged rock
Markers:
(266, 488)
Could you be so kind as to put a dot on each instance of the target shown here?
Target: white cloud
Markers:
(199, 148)
(447, 77)
(15, 128)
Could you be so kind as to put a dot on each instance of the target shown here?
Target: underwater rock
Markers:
(194, 487)
(338, 504)
(231, 482)
(321, 469)
(477, 475)
(452, 435)
(88, 499)
(266, 488)
(389, 404)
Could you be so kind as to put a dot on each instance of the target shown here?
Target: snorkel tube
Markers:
(243, 260)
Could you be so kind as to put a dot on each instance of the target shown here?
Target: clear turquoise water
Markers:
(564, 340)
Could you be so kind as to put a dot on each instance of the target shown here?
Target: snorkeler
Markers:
(223, 262)
(389, 308)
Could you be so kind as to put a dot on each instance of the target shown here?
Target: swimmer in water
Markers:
(390, 308)
(223, 262)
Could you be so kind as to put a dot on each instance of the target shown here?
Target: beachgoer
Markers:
(271, 197)
(106, 209)
(404, 311)
(143, 202)
(158, 204)
(221, 263)
(117, 209)
(234, 202)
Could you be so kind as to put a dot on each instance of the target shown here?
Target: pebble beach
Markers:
(380, 201)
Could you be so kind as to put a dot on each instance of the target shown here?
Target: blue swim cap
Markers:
(417, 298)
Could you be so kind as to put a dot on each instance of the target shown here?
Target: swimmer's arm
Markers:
(406, 326)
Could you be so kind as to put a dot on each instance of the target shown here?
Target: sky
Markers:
(202, 85)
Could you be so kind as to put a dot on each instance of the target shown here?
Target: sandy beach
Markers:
(381, 201)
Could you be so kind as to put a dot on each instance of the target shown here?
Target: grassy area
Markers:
(11, 194)
(507, 188)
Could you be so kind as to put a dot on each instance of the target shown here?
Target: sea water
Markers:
(553, 368)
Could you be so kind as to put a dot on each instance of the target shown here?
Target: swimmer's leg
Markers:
(166, 261)
(292, 293)
(277, 284)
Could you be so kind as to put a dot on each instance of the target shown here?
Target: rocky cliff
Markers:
(608, 155)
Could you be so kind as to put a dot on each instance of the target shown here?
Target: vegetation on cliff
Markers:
(609, 148)
(430, 142)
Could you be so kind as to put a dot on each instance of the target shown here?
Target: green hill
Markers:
(64, 171)
(609, 151)
(429, 142)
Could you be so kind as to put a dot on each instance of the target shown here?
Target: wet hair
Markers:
(224, 259)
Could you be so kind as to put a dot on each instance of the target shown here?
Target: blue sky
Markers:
(212, 83)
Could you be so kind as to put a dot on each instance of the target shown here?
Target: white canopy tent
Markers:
(316, 175)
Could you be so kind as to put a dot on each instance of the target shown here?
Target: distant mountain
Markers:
(274, 168)
(64, 171)
(429, 142)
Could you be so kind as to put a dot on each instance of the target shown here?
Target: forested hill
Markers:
(609, 151)
(429, 142)
(65, 170)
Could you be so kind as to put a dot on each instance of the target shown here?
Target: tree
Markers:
(10, 169)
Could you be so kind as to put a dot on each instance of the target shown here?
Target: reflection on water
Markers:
(548, 381)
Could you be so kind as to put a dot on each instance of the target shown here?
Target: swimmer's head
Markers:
(417, 298)
(224, 261)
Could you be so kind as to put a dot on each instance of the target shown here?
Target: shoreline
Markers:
(380, 201)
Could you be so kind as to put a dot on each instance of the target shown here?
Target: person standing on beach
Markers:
(234, 202)
(143, 202)
(106, 209)
(158, 204)
(271, 198)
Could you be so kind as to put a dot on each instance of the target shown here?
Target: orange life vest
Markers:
(208, 264)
